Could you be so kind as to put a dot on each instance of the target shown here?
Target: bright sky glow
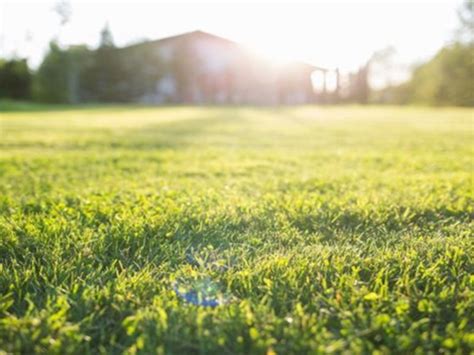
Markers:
(327, 33)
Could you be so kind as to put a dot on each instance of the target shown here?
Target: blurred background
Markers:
(259, 52)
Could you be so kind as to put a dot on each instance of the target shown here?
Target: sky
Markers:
(331, 34)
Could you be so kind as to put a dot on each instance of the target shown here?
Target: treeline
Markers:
(107, 74)
(447, 79)
(79, 74)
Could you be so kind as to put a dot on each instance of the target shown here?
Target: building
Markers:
(201, 68)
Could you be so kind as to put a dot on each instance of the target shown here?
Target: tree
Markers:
(381, 68)
(59, 77)
(446, 79)
(64, 10)
(15, 79)
(466, 20)
(357, 88)
(106, 72)
(56, 80)
(106, 38)
(50, 84)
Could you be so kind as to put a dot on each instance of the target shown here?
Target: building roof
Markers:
(203, 34)
(197, 33)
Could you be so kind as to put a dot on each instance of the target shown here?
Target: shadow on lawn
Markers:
(248, 234)
(177, 134)
(27, 106)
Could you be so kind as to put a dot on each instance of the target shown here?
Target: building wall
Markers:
(208, 70)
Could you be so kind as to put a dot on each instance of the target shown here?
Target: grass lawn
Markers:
(317, 230)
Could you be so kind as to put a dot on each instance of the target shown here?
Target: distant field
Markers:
(318, 229)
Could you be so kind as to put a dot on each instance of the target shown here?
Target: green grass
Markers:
(343, 230)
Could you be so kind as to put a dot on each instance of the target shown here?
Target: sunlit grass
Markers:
(328, 229)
